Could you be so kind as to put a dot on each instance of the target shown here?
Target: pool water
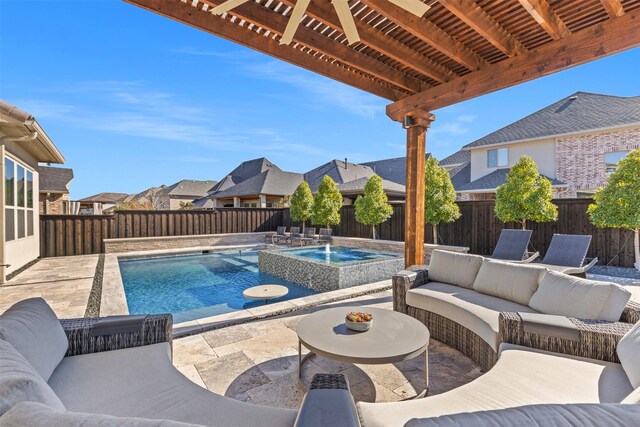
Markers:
(339, 255)
(197, 286)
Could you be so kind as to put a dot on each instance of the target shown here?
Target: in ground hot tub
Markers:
(340, 268)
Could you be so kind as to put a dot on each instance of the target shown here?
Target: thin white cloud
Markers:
(456, 127)
(194, 51)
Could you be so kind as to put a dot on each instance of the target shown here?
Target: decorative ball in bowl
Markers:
(358, 321)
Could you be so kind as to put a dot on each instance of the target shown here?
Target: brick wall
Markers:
(52, 204)
(580, 159)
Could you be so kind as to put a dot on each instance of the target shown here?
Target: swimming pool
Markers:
(339, 255)
(197, 286)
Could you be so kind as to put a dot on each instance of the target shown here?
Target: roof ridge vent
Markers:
(573, 97)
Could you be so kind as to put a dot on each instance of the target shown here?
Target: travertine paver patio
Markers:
(257, 362)
(64, 282)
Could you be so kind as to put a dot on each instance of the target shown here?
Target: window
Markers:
(611, 161)
(19, 212)
(498, 157)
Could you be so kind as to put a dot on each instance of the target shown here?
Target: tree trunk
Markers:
(373, 231)
(435, 233)
(524, 224)
(303, 222)
(637, 247)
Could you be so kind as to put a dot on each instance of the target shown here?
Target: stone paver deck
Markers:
(257, 362)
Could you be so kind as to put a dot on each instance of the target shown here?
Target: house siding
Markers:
(580, 159)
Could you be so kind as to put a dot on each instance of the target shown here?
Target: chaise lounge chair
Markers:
(324, 236)
(281, 235)
(308, 237)
(567, 254)
(512, 246)
(293, 234)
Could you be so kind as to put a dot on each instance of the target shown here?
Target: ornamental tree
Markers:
(618, 203)
(526, 195)
(439, 197)
(372, 207)
(301, 203)
(326, 203)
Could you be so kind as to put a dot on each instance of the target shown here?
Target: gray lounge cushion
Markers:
(571, 296)
(628, 350)
(20, 382)
(33, 329)
(475, 311)
(522, 376)
(513, 282)
(585, 415)
(38, 415)
(454, 268)
(142, 382)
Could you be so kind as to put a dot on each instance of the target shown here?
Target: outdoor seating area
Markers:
(294, 237)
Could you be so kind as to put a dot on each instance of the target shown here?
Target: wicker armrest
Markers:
(597, 339)
(412, 277)
(85, 338)
(631, 313)
(328, 403)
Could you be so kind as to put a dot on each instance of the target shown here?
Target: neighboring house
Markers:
(23, 144)
(394, 170)
(100, 203)
(351, 179)
(184, 191)
(576, 143)
(148, 197)
(54, 190)
(256, 183)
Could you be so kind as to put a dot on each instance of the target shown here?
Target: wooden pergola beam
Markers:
(606, 38)
(217, 26)
(323, 12)
(276, 23)
(428, 33)
(471, 14)
(613, 7)
(541, 11)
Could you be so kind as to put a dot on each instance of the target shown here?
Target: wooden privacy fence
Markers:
(477, 228)
(64, 235)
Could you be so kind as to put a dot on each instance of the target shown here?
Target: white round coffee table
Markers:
(265, 292)
(393, 337)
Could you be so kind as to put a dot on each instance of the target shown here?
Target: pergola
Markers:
(447, 52)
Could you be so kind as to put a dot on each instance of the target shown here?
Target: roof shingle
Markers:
(54, 180)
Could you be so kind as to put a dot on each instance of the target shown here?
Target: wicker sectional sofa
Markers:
(475, 304)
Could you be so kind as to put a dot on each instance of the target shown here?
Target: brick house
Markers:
(54, 190)
(576, 143)
(183, 191)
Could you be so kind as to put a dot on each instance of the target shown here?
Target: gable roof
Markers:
(188, 188)
(339, 171)
(54, 180)
(495, 179)
(105, 198)
(357, 187)
(272, 181)
(393, 169)
(581, 111)
(244, 171)
(458, 158)
(145, 195)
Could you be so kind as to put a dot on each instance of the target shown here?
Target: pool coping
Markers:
(113, 299)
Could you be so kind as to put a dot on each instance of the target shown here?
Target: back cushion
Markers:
(33, 329)
(629, 354)
(513, 282)
(19, 382)
(454, 268)
(570, 296)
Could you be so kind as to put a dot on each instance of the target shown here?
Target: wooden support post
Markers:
(417, 122)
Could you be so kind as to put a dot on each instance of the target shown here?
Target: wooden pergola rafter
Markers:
(419, 56)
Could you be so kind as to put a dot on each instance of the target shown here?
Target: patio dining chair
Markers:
(294, 233)
(281, 234)
(567, 254)
(308, 237)
(512, 246)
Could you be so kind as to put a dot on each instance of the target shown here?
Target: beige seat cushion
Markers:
(20, 382)
(628, 350)
(571, 296)
(475, 311)
(513, 282)
(454, 268)
(37, 415)
(142, 382)
(33, 329)
(521, 377)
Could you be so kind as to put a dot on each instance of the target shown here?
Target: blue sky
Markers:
(134, 100)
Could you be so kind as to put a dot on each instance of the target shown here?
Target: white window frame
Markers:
(24, 210)
(498, 151)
